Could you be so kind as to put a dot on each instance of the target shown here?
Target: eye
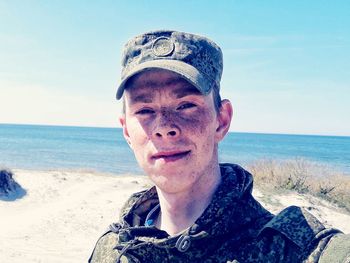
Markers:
(186, 105)
(144, 111)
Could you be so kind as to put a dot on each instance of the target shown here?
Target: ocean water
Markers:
(39, 147)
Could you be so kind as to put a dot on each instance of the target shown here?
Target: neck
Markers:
(180, 210)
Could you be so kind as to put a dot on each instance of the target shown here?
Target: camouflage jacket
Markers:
(233, 228)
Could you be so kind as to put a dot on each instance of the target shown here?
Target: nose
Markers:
(165, 127)
(167, 132)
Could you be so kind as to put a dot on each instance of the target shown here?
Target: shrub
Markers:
(303, 176)
(9, 189)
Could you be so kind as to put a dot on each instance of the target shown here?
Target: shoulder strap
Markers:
(297, 225)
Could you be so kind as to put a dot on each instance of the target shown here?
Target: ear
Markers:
(224, 119)
(122, 121)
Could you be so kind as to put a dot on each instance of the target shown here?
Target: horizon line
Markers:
(230, 131)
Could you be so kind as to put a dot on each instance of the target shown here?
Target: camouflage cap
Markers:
(195, 58)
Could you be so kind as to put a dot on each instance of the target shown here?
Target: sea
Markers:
(39, 147)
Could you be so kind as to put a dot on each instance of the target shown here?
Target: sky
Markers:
(286, 63)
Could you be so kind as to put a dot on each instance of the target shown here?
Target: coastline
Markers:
(64, 212)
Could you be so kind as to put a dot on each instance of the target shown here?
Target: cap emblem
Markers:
(163, 47)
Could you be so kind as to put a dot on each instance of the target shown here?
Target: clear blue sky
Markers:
(286, 63)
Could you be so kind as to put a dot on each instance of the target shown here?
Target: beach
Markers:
(64, 212)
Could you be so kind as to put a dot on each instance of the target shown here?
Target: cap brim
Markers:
(186, 71)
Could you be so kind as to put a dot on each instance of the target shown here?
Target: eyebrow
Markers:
(143, 98)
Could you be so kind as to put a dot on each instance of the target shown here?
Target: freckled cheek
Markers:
(199, 123)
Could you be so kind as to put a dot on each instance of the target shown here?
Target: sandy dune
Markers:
(64, 213)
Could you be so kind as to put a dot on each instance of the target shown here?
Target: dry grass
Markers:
(303, 177)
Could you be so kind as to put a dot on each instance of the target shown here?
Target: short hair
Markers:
(217, 99)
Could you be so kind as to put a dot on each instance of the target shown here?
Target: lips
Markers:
(170, 156)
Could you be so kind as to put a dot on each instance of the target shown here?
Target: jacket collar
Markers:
(232, 208)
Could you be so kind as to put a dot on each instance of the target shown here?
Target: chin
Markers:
(169, 188)
(172, 181)
(169, 170)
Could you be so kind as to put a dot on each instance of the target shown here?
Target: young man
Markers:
(198, 210)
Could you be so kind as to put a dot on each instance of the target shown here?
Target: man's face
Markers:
(172, 128)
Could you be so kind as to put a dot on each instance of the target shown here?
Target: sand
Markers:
(64, 212)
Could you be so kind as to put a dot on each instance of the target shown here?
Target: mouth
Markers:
(170, 156)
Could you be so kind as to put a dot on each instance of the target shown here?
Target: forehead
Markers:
(148, 82)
